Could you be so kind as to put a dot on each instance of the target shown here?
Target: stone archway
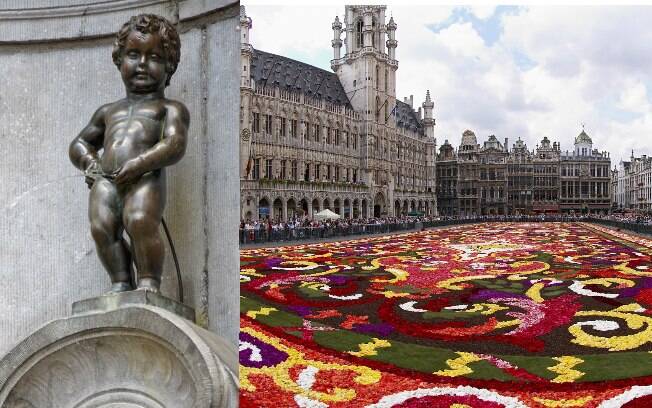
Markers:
(263, 208)
(379, 205)
(365, 211)
(397, 208)
(315, 206)
(277, 209)
(347, 208)
(337, 206)
(303, 211)
(327, 204)
(356, 209)
(291, 209)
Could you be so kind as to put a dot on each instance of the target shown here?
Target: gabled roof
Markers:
(271, 69)
(407, 118)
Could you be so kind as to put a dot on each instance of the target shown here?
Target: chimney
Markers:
(419, 113)
(506, 145)
(412, 101)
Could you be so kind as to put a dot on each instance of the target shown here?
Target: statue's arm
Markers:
(172, 146)
(84, 148)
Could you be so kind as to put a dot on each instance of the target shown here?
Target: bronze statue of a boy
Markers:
(138, 136)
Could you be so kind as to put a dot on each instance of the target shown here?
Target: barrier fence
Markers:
(257, 236)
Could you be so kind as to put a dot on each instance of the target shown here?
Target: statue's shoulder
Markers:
(177, 109)
(104, 111)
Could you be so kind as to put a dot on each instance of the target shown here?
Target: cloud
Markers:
(524, 72)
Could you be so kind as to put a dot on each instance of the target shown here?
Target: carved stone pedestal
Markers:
(132, 350)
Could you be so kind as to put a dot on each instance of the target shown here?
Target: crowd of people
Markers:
(268, 229)
(271, 225)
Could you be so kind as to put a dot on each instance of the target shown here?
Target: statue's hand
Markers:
(130, 171)
(91, 170)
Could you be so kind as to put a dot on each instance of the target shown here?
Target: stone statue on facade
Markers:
(124, 150)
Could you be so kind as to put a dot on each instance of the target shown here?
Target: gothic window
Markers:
(306, 173)
(294, 170)
(373, 33)
(256, 122)
(358, 34)
(355, 141)
(377, 109)
(307, 135)
(293, 127)
(267, 119)
(337, 137)
(256, 174)
(268, 168)
(337, 173)
(328, 135)
(328, 172)
(283, 128)
(377, 78)
(283, 170)
(316, 133)
(317, 168)
(386, 80)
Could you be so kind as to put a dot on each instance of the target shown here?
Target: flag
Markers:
(248, 169)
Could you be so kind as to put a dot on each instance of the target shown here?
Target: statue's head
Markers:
(146, 51)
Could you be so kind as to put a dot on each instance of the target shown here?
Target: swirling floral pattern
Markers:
(451, 317)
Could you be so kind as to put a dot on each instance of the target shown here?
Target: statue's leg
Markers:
(142, 214)
(104, 211)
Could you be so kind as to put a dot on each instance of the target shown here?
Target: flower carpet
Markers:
(483, 315)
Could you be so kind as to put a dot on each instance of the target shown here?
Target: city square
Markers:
(478, 247)
(488, 314)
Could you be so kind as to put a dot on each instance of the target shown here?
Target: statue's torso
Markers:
(131, 129)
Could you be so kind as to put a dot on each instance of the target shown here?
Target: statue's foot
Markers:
(149, 284)
(118, 287)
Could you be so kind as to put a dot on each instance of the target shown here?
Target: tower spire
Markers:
(336, 42)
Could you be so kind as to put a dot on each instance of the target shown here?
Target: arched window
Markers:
(377, 109)
(377, 76)
(373, 32)
(358, 34)
(386, 80)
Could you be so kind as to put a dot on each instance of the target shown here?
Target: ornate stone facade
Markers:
(313, 139)
(584, 178)
(489, 180)
(632, 184)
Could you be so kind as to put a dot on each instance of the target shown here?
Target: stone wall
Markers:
(55, 71)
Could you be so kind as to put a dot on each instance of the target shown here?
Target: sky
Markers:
(511, 71)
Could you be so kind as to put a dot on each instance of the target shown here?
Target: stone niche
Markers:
(55, 71)
(121, 351)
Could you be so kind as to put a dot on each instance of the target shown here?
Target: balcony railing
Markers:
(281, 185)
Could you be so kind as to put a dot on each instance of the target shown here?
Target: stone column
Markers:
(55, 71)
(285, 210)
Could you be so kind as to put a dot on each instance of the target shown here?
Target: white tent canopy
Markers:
(326, 215)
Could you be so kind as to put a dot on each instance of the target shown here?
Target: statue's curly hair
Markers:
(150, 24)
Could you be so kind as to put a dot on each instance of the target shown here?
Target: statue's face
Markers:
(143, 66)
